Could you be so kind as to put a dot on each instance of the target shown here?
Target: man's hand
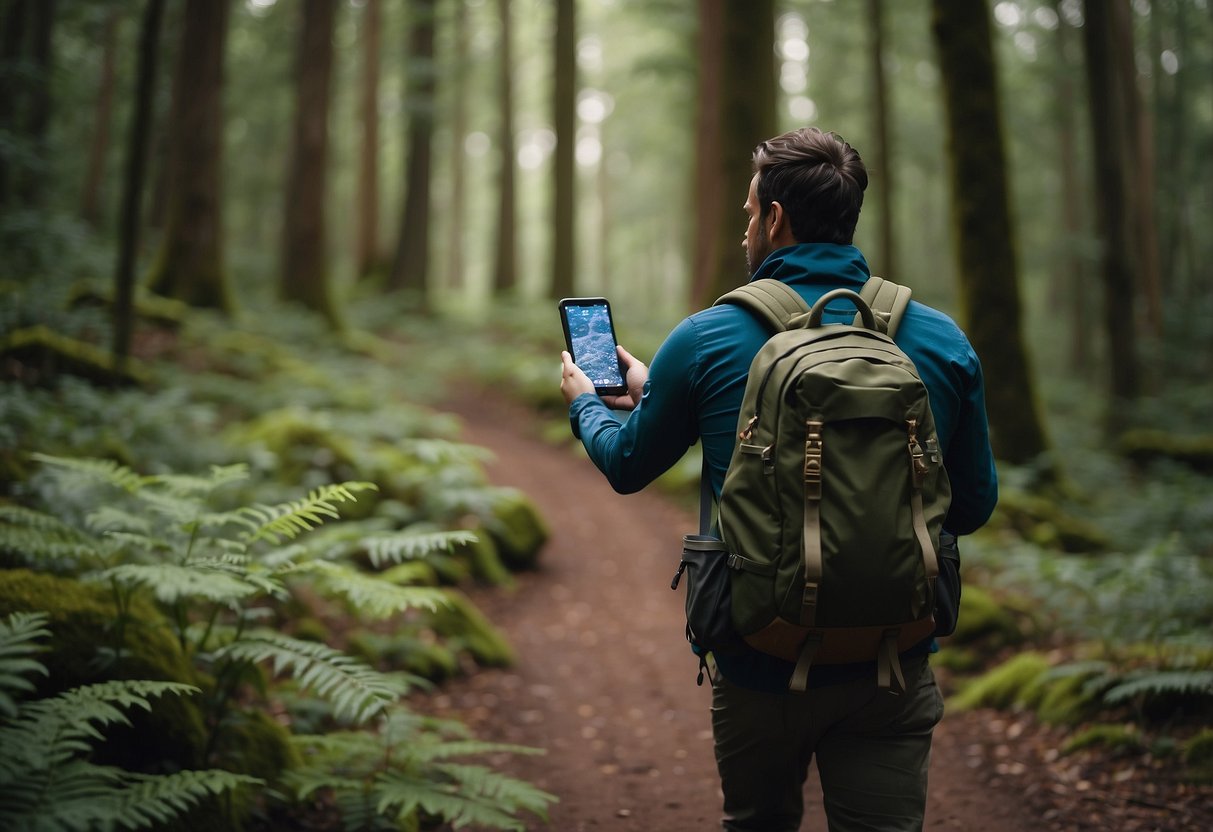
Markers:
(635, 375)
(573, 382)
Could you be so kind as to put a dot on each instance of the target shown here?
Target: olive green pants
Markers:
(872, 749)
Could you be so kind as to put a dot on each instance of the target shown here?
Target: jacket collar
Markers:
(815, 263)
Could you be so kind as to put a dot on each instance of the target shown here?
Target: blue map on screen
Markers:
(594, 344)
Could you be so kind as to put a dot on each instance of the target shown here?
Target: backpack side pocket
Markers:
(705, 560)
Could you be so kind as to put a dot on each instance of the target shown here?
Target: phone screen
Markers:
(592, 342)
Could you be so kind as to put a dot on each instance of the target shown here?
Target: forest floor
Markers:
(606, 683)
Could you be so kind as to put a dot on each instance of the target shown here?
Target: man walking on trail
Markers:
(872, 745)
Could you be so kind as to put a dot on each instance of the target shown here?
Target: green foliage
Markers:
(164, 538)
(46, 778)
(410, 773)
(1003, 686)
(357, 692)
(1115, 738)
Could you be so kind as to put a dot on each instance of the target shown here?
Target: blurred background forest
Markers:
(262, 238)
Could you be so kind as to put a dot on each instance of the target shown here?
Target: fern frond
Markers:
(356, 691)
(109, 518)
(375, 597)
(104, 471)
(293, 518)
(1162, 683)
(186, 484)
(82, 796)
(429, 750)
(170, 582)
(498, 789)
(306, 782)
(48, 732)
(393, 548)
(441, 452)
(400, 793)
(1083, 668)
(37, 536)
(158, 799)
(19, 634)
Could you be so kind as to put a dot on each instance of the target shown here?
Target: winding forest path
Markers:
(604, 679)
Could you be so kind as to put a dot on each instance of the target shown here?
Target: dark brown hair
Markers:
(819, 180)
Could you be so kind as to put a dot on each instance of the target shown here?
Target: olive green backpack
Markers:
(835, 495)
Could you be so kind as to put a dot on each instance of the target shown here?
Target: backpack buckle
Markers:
(812, 459)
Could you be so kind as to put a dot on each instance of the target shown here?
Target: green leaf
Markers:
(375, 597)
(393, 548)
(356, 691)
(170, 582)
(298, 516)
(104, 471)
(1162, 683)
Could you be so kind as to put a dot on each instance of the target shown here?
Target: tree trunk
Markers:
(90, 197)
(304, 275)
(11, 39)
(986, 256)
(366, 254)
(1140, 134)
(132, 192)
(1072, 282)
(505, 269)
(456, 239)
(737, 111)
(411, 268)
(189, 265)
(25, 101)
(564, 173)
(1111, 160)
(886, 262)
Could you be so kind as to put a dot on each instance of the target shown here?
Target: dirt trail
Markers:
(604, 679)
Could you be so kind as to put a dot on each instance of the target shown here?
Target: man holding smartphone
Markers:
(872, 747)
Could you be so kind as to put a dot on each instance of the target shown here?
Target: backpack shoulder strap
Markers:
(773, 301)
(888, 302)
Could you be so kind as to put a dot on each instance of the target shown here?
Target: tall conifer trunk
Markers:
(981, 220)
(190, 263)
(366, 253)
(304, 275)
(564, 173)
(505, 269)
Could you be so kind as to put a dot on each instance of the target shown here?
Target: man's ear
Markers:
(779, 230)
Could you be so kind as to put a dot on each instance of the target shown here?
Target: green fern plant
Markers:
(218, 573)
(409, 771)
(46, 778)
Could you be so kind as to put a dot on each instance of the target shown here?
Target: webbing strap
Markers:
(888, 663)
(772, 300)
(930, 560)
(888, 302)
(800, 675)
(706, 500)
(810, 537)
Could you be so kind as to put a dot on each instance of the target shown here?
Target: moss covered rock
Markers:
(482, 559)
(985, 618)
(465, 628)
(517, 529)
(85, 633)
(1003, 686)
(1047, 524)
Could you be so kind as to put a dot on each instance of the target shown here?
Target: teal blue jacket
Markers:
(697, 378)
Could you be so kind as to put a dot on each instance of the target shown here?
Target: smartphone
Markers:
(589, 334)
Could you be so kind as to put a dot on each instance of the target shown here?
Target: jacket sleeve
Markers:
(970, 461)
(635, 451)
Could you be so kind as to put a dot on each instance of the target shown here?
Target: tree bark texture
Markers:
(985, 248)
(1070, 285)
(886, 260)
(505, 269)
(411, 268)
(132, 190)
(190, 264)
(736, 112)
(366, 253)
(1110, 159)
(90, 196)
(459, 128)
(1139, 130)
(304, 276)
(564, 118)
(25, 100)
